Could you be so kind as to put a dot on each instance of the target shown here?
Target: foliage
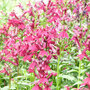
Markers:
(45, 46)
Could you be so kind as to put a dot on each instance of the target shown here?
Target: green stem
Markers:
(10, 81)
(58, 81)
(30, 88)
(17, 75)
(79, 72)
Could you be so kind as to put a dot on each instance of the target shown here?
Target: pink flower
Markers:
(16, 23)
(88, 8)
(76, 41)
(87, 81)
(4, 71)
(33, 48)
(63, 34)
(43, 80)
(43, 53)
(75, 10)
(36, 87)
(27, 57)
(48, 86)
(32, 67)
(47, 67)
(81, 56)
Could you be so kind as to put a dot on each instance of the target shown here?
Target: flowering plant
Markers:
(47, 45)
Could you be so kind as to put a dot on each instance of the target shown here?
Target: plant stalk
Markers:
(58, 81)
(10, 81)
(79, 72)
(18, 74)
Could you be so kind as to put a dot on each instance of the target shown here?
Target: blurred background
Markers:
(6, 6)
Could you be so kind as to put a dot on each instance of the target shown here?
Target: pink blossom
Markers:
(36, 87)
(47, 67)
(32, 67)
(87, 81)
(88, 8)
(63, 34)
(43, 53)
(43, 80)
(81, 56)
(4, 71)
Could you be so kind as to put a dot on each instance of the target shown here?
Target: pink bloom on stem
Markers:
(47, 67)
(52, 74)
(76, 40)
(75, 10)
(87, 81)
(43, 80)
(42, 53)
(20, 6)
(81, 56)
(33, 48)
(32, 67)
(27, 57)
(50, 83)
(12, 79)
(47, 87)
(36, 87)
(4, 71)
(8, 60)
(88, 8)
(63, 34)
(21, 26)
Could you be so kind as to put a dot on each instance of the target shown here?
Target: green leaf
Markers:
(69, 77)
(79, 82)
(70, 71)
(5, 88)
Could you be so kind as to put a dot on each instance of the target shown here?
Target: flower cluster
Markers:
(38, 34)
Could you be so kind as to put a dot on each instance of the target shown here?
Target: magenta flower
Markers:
(29, 37)
(36, 87)
(88, 8)
(6, 67)
(27, 57)
(76, 41)
(63, 34)
(87, 81)
(43, 81)
(2, 71)
(81, 56)
(16, 23)
(32, 67)
(47, 67)
(43, 53)
(48, 86)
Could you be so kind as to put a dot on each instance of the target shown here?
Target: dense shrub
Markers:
(50, 43)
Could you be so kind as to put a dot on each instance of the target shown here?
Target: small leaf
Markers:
(70, 71)
(69, 77)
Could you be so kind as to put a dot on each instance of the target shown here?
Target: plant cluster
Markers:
(51, 42)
